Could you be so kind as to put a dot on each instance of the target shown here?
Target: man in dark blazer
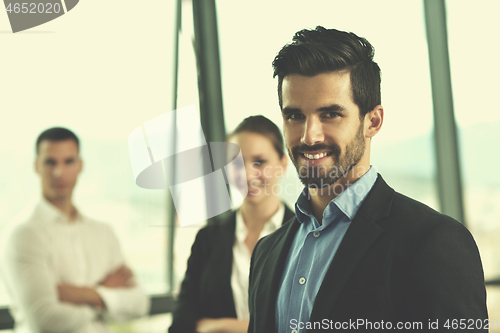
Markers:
(358, 255)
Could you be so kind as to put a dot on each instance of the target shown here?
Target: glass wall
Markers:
(100, 70)
(475, 71)
(187, 95)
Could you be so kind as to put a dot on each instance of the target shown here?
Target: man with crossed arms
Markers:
(64, 271)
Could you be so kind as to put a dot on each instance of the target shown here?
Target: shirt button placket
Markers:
(77, 244)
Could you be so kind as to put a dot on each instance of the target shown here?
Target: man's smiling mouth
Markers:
(315, 156)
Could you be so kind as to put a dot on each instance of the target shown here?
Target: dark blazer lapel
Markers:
(271, 274)
(359, 237)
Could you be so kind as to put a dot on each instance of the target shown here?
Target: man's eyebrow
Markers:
(333, 108)
(288, 110)
(329, 108)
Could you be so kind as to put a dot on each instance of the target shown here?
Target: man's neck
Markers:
(64, 205)
(321, 197)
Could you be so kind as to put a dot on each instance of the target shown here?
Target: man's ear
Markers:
(373, 121)
(80, 165)
(35, 165)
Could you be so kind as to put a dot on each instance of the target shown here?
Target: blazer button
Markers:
(302, 280)
(294, 331)
(316, 234)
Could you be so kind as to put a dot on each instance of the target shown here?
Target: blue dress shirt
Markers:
(312, 251)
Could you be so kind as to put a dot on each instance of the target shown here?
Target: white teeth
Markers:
(315, 156)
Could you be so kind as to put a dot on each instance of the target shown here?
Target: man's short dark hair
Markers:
(321, 50)
(56, 134)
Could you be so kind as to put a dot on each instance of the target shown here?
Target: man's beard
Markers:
(322, 176)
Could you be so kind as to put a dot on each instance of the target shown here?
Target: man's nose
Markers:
(313, 132)
(57, 172)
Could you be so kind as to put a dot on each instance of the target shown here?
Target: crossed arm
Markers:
(122, 277)
(47, 306)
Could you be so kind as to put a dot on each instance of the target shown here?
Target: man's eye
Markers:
(295, 116)
(50, 162)
(331, 115)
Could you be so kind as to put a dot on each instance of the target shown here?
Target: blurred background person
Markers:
(65, 272)
(214, 293)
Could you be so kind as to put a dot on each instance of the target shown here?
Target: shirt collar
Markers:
(46, 211)
(348, 202)
(272, 224)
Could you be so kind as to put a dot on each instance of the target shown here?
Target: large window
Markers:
(474, 72)
(101, 70)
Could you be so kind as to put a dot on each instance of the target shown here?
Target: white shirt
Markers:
(47, 250)
(241, 260)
